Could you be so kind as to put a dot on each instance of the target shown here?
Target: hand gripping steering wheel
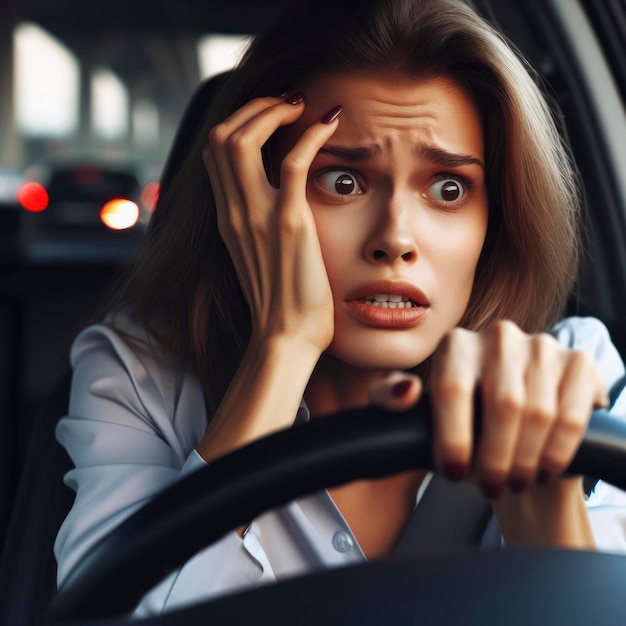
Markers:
(512, 586)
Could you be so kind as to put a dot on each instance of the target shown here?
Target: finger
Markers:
(576, 402)
(244, 114)
(296, 164)
(543, 376)
(397, 392)
(216, 183)
(504, 398)
(454, 372)
(244, 144)
(239, 202)
(228, 142)
(230, 225)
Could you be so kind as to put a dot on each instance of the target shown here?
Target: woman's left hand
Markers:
(536, 397)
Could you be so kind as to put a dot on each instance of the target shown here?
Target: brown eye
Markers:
(339, 182)
(345, 184)
(448, 190)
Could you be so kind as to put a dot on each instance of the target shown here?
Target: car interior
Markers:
(53, 285)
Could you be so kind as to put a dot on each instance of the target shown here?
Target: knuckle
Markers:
(543, 345)
(540, 417)
(501, 337)
(455, 341)
(503, 329)
(218, 135)
(233, 224)
(239, 143)
(288, 223)
(453, 387)
(292, 164)
(572, 423)
(507, 404)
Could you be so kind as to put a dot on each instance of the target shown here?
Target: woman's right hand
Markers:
(270, 232)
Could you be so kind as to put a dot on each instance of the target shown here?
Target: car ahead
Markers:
(80, 202)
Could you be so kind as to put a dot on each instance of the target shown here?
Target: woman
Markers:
(403, 214)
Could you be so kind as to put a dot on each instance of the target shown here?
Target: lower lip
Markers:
(381, 317)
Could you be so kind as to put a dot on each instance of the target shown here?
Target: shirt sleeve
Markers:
(131, 431)
(606, 504)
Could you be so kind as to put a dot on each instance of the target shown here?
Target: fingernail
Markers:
(297, 98)
(518, 484)
(332, 115)
(454, 471)
(399, 390)
(492, 490)
(543, 477)
(284, 94)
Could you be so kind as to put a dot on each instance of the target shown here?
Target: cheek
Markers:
(456, 252)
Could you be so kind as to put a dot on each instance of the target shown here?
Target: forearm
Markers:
(263, 397)
(546, 515)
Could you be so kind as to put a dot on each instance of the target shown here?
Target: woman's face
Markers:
(399, 200)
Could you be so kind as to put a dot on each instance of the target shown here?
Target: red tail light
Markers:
(33, 197)
(119, 214)
(150, 195)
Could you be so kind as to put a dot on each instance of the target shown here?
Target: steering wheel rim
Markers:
(363, 443)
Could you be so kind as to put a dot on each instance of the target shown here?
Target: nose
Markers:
(393, 238)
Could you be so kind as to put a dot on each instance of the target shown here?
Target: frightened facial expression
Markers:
(400, 204)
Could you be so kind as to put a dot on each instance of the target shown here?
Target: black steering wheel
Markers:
(512, 586)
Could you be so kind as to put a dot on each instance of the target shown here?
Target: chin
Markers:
(373, 356)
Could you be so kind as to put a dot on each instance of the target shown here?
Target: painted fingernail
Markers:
(297, 98)
(543, 477)
(332, 115)
(454, 471)
(492, 490)
(399, 390)
(518, 484)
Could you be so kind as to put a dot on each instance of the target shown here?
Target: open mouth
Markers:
(389, 301)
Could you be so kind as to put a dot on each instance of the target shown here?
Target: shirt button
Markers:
(342, 542)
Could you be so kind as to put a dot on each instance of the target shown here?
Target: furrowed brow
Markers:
(445, 158)
(354, 155)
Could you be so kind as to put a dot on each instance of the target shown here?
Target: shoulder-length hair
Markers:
(184, 288)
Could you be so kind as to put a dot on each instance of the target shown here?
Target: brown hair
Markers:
(184, 288)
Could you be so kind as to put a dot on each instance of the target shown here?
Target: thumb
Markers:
(396, 392)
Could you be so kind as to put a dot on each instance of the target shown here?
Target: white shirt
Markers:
(132, 428)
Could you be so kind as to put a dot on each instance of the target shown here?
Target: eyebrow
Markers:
(430, 153)
(354, 155)
(445, 158)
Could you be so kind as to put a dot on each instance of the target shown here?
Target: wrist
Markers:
(554, 514)
(263, 396)
(283, 347)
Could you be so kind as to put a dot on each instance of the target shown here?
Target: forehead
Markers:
(381, 108)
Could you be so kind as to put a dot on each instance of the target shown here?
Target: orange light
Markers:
(119, 214)
(150, 195)
(33, 197)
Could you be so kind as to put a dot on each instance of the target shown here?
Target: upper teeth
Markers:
(390, 301)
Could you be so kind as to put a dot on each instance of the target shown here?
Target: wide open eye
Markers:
(339, 182)
(448, 190)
